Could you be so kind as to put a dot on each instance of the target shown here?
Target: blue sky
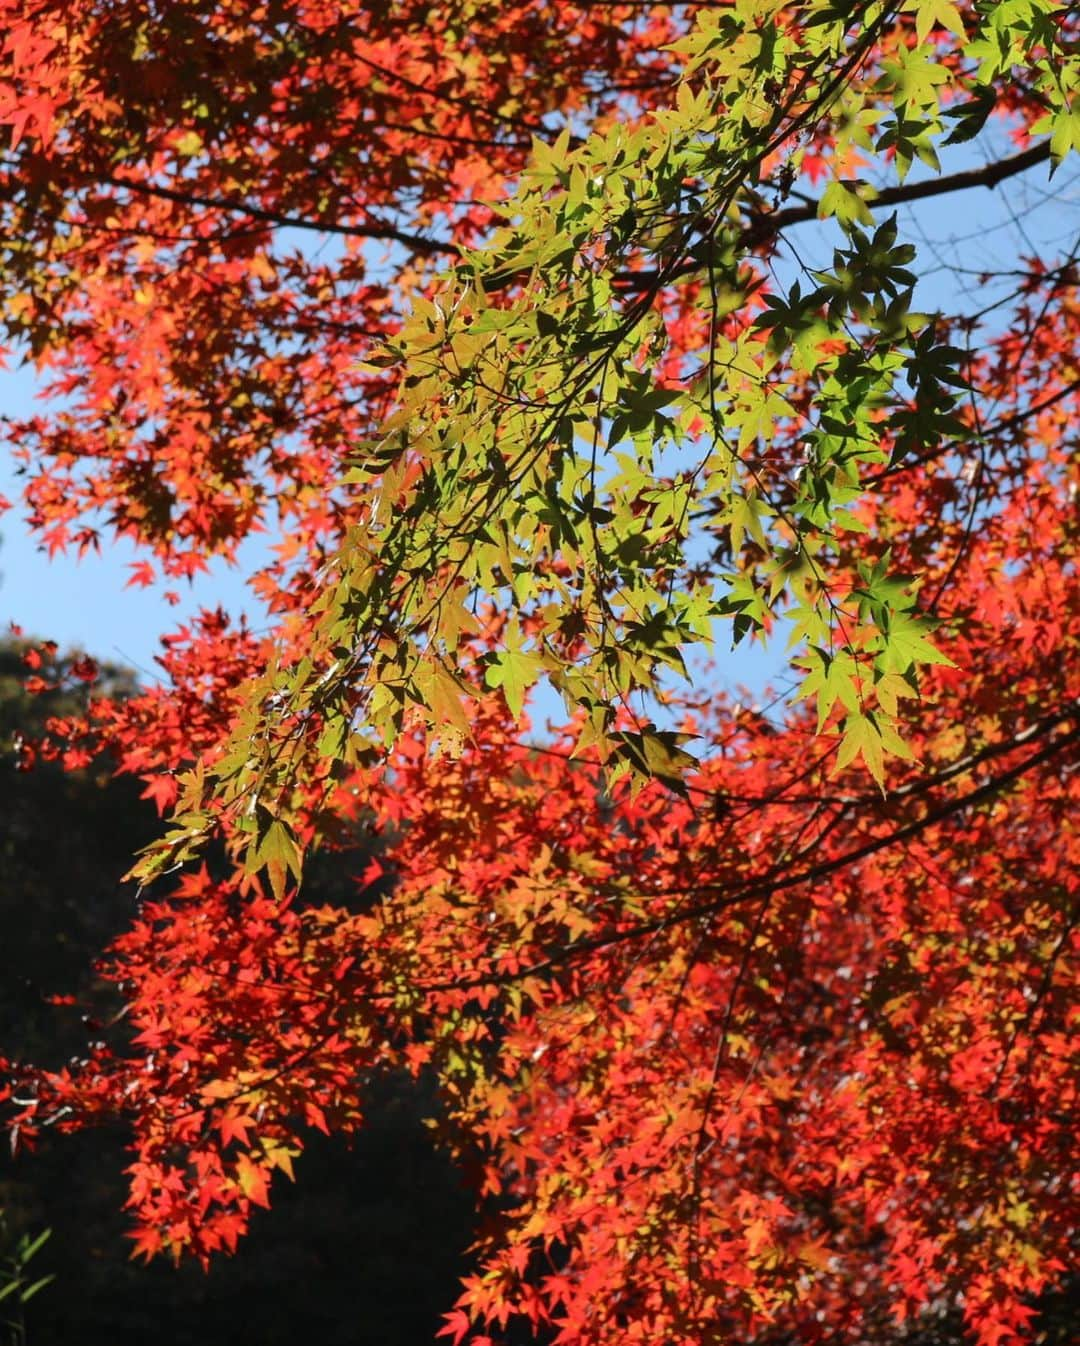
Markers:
(86, 603)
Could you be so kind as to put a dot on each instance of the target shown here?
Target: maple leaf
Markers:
(142, 575)
(457, 1324)
(146, 1242)
(234, 1125)
(162, 789)
(252, 1180)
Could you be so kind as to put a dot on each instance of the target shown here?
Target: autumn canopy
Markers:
(557, 347)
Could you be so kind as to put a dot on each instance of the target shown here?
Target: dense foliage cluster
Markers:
(748, 1027)
(369, 1244)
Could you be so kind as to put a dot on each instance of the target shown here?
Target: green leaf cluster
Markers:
(527, 468)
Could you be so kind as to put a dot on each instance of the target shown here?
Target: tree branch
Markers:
(1001, 427)
(415, 242)
(772, 883)
(767, 225)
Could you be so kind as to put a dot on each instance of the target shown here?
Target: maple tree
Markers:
(750, 1028)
